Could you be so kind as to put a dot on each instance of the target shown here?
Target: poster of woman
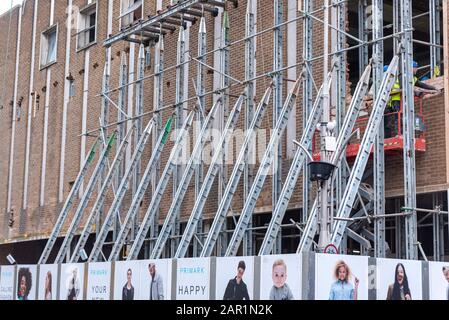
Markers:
(236, 280)
(99, 281)
(341, 277)
(127, 280)
(439, 280)
(48, 280)
(399, 279)
(26, 282)
(72, 282)
(155, 279)
(280, 277)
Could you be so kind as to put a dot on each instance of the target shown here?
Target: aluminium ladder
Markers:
(120, 192)
(234, 178)
(67, 205)
(300, 156)
(306, 241)
(364, 152)
(262, 173)
(140, 192)
(214, 166)
(183, 186)
(172, 162)
(115, 167)
(98, 171)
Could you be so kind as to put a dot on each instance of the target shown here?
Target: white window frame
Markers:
(44, 47)
(125, 5)
(83, 16)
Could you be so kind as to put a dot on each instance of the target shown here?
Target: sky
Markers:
(5, 5)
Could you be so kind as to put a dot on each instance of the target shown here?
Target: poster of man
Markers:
(193, 279)
(399, 279)
(439, 280)
(155, 279)
(126, 280)
(98, 281)
(72, 281)
(236, 280)
(280, 277)
(341, 277)
(26, 282)
(48, 280)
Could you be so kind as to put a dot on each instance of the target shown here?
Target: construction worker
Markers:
(419, 84)
(392, 109)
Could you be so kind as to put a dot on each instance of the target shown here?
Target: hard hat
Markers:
(415, 64)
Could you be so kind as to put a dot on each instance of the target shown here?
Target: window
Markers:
(49, 46)
(131, 11)
(87, 26)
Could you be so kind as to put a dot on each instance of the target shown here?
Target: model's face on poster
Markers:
(342, 273)
(400, 275)
(152, 270)
(129, 275)
(23, 285)
(240, 272)
(279, 276)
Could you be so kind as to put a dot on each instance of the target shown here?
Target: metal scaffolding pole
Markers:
(123, 79)
(180, 71)
(409, 129)
(379, 156)
(224, 96)
(339, 86)
(158, 104)
(307, 98)
(199, 171)
(278, 63)
(250, 56)
(104, 118)
(139, 110)
(434, 34)
(363, 33)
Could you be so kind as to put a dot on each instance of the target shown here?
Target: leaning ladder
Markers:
(120, 193)
(67, 205)
(306, 241)
(160, 189)
(262, 173)
(300, 156)
(135, 203)
(85, 200)
(239, 167)
(115, 167)
(363, 155)
(182, 187)
(208, 181)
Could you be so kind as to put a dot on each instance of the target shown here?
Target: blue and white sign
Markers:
(192, 279)
(99, 281)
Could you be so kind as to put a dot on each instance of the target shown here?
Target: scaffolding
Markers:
(333, 212)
